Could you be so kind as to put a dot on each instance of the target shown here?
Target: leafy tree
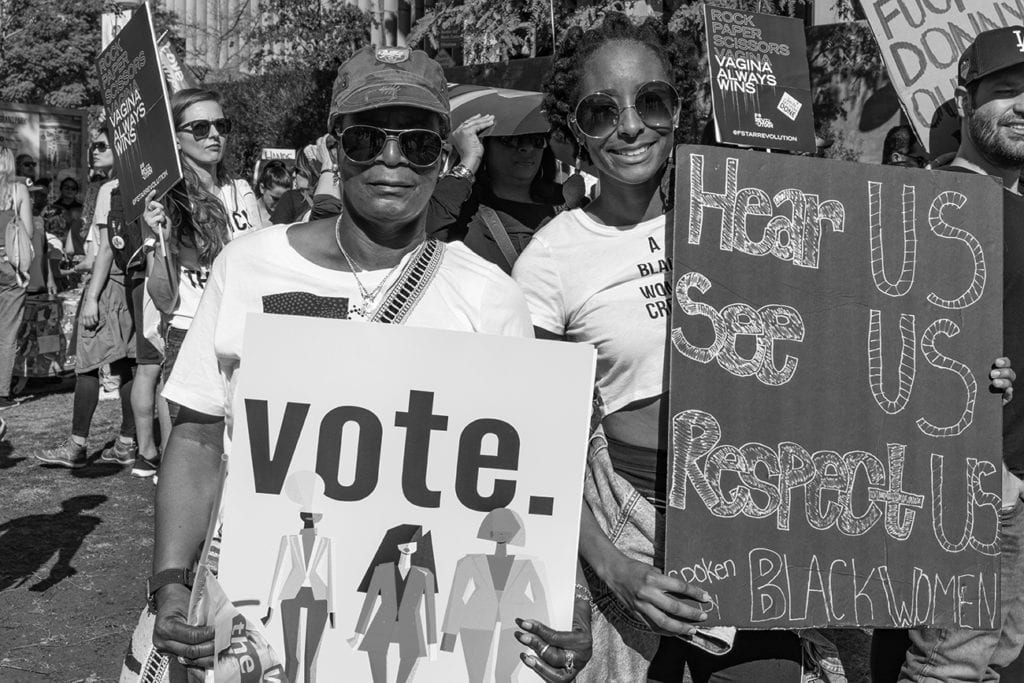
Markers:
(49, 48)
(306, 36)
(494, 31)
(276, 109)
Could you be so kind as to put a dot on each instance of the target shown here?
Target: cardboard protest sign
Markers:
(415, 493)
(760, 80)
(835, 449)
(921, 43)
(139, 113)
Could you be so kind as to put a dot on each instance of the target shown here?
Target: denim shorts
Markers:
(623, 645)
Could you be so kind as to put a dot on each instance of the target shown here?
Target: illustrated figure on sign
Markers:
(303, 580)
(402, 576)
(489, 590)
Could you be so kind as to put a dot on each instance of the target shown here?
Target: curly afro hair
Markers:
(562, 86)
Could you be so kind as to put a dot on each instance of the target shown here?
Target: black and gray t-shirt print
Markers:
(306, 304)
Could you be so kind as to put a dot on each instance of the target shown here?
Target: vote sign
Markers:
(835, 449)
(471, 447)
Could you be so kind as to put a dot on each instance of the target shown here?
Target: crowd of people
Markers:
(379, 221)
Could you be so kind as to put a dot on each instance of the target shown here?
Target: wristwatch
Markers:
(165, 578)
(461, 172)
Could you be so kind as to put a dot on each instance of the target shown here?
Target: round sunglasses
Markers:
(420, 147)
(655, 102)
(200, 128)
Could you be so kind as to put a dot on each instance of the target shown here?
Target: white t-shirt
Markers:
(264, 272)
(99, 216)
(607, 286)
(243, 216)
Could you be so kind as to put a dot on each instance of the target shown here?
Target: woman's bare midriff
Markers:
(640, 424)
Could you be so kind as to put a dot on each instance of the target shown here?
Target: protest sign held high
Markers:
(921, 42)
(429, 497)
(138, 110)
(760, 81)
(836, 453)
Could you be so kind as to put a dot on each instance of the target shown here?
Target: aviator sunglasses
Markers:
(655, 102)
(200, 128)
(362, 144)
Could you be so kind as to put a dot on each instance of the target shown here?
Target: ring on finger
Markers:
(570, 662)
(544, 649)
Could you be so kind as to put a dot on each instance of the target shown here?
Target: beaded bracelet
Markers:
(583, 593)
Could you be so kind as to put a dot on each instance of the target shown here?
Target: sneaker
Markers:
(122, 452)
(7, 402)
(68, 454)
(145, 467)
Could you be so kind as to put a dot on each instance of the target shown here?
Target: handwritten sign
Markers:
(413, 497)
(921, 43)
(760, 81)
(835, 449)
(139, 113)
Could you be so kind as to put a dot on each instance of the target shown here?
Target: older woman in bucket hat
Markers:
(390, 115)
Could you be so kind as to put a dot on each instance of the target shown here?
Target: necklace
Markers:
(365, 294)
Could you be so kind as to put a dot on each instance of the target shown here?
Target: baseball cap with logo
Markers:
(388, 77)
(991, 51)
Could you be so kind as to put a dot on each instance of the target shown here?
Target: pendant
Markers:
(357, 312)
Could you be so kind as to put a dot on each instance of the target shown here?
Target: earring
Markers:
(668, 180)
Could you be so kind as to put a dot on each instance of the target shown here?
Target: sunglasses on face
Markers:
(200, 128)
(655, 102)
(420, 147)
(99, 147)
(535, 140)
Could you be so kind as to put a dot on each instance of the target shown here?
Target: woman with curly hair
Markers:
(612, 91)
(203, 213)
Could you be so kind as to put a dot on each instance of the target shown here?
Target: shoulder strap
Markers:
(499, 233)
(408, 289)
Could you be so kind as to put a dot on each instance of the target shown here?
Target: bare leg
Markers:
(143, 399)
